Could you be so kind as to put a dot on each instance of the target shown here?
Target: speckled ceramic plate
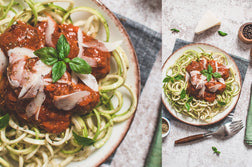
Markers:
(117, 32)
(171, 60)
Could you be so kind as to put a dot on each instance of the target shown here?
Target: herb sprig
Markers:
(221, 103)
(182, 96)
(172, 79)
(174, 30)
(84, 141)
(221, 33)
(209, 73)
(216, 150)
(57, 58)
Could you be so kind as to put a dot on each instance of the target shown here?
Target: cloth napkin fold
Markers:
(242, 65)
(154, 157)
(248, 132)
(147, 44)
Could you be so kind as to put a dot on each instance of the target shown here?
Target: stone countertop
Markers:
(146, 12)
(184, 15)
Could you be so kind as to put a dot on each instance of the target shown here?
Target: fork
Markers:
(225, 131)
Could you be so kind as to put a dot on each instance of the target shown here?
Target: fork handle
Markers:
(190, 138)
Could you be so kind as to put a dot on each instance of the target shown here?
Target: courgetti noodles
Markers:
(59, 97)
(200, 84)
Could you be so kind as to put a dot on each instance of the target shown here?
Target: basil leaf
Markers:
(190, 99)
(178, 77)
(217, 75)
(84, 141)
(4, 121)
(167, 79)
(187, 105)
(58, 70)
(221, 103)
(209, 69)
(172, 79)
(174, 30)
(221, 33)
(47, 55)
(203, 71)
(63, 47)
(209, 77)
(79, 65)
(216, 150)
(183, 94)
(67, 60)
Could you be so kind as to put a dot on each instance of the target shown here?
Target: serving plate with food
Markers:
(68, 91)
(201, 84)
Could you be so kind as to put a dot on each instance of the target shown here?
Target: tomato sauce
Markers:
(199, 87)
(50, 118)
(21, 35)
(102, 58)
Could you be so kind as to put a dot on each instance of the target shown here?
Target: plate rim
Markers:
(118, 24)
(235, 103)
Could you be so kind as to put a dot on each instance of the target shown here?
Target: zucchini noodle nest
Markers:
(190, 106)
(30, 146)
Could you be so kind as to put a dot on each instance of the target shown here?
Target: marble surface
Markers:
(146, 12)
(184, 15)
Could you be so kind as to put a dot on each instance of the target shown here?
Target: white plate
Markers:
(117, 32)
(171, 60)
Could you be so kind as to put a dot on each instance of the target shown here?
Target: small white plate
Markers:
(171, 60)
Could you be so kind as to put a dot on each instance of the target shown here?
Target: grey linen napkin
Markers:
(242, 65)
(147, 44)
(248, 132)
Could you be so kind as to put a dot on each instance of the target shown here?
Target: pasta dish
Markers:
(200, 84)
(56, 84)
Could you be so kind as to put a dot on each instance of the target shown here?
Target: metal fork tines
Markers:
(225, 131)
(228, 129)
(236, 126)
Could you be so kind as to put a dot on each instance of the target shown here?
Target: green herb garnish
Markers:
(221, 33)
(216, 150)
(221, 103)
(208, 73)
(174, 30)
(4, 121)
(179, 77)
(183, 94)
(58, 59)
(58, 70)
(84, 141)
(216, 75)
(190, 99)
(169, 78)
(187, 105)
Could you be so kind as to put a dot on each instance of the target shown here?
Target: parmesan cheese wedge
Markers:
(207, 21)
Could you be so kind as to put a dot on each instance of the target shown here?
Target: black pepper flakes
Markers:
(247, 31)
